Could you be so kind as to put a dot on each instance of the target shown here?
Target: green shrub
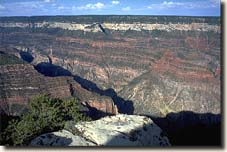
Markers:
(44, 114)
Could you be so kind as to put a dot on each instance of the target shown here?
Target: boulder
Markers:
(118, 130)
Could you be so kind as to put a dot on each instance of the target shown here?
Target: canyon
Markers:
(160, 67)
(20, 82)
(141, 65)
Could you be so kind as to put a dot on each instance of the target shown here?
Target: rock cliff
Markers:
(19, 82)
(119, 130)
(116, 26)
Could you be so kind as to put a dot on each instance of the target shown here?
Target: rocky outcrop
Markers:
(105, 106)
(98, 106)
(19, 82)
(119, 130)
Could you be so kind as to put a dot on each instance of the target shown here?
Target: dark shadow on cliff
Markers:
(59, 141)
(124, 106)
(26, 56)
(187, 128)
(1, 52)
(51, 70)
(48, 69)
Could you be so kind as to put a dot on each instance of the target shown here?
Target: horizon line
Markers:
(109, 15)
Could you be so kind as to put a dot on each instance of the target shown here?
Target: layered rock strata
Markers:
(160, 64)
(21, 82)
(117, 26)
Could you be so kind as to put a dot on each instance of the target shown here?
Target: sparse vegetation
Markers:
(44, 114)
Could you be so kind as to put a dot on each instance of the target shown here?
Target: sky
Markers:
(110, 7)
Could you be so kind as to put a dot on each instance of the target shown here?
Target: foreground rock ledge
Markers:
(119, 130)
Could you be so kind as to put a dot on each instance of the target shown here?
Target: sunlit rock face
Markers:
(119, 130)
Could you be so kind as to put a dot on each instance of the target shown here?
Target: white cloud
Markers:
(30, 5)
(48, 1)
(126, 8)
(171, 4)
(35, 6)
(184, 5)
(2, 7)
(115, 2)
(92, 6)
(215, 1)
(149, 7)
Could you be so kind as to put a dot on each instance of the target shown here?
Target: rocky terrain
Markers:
(142, 65)
(161, 64)
(20, 82)
(119, 130)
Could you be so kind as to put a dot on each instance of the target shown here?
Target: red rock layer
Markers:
(21, 82)
(181, 69)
